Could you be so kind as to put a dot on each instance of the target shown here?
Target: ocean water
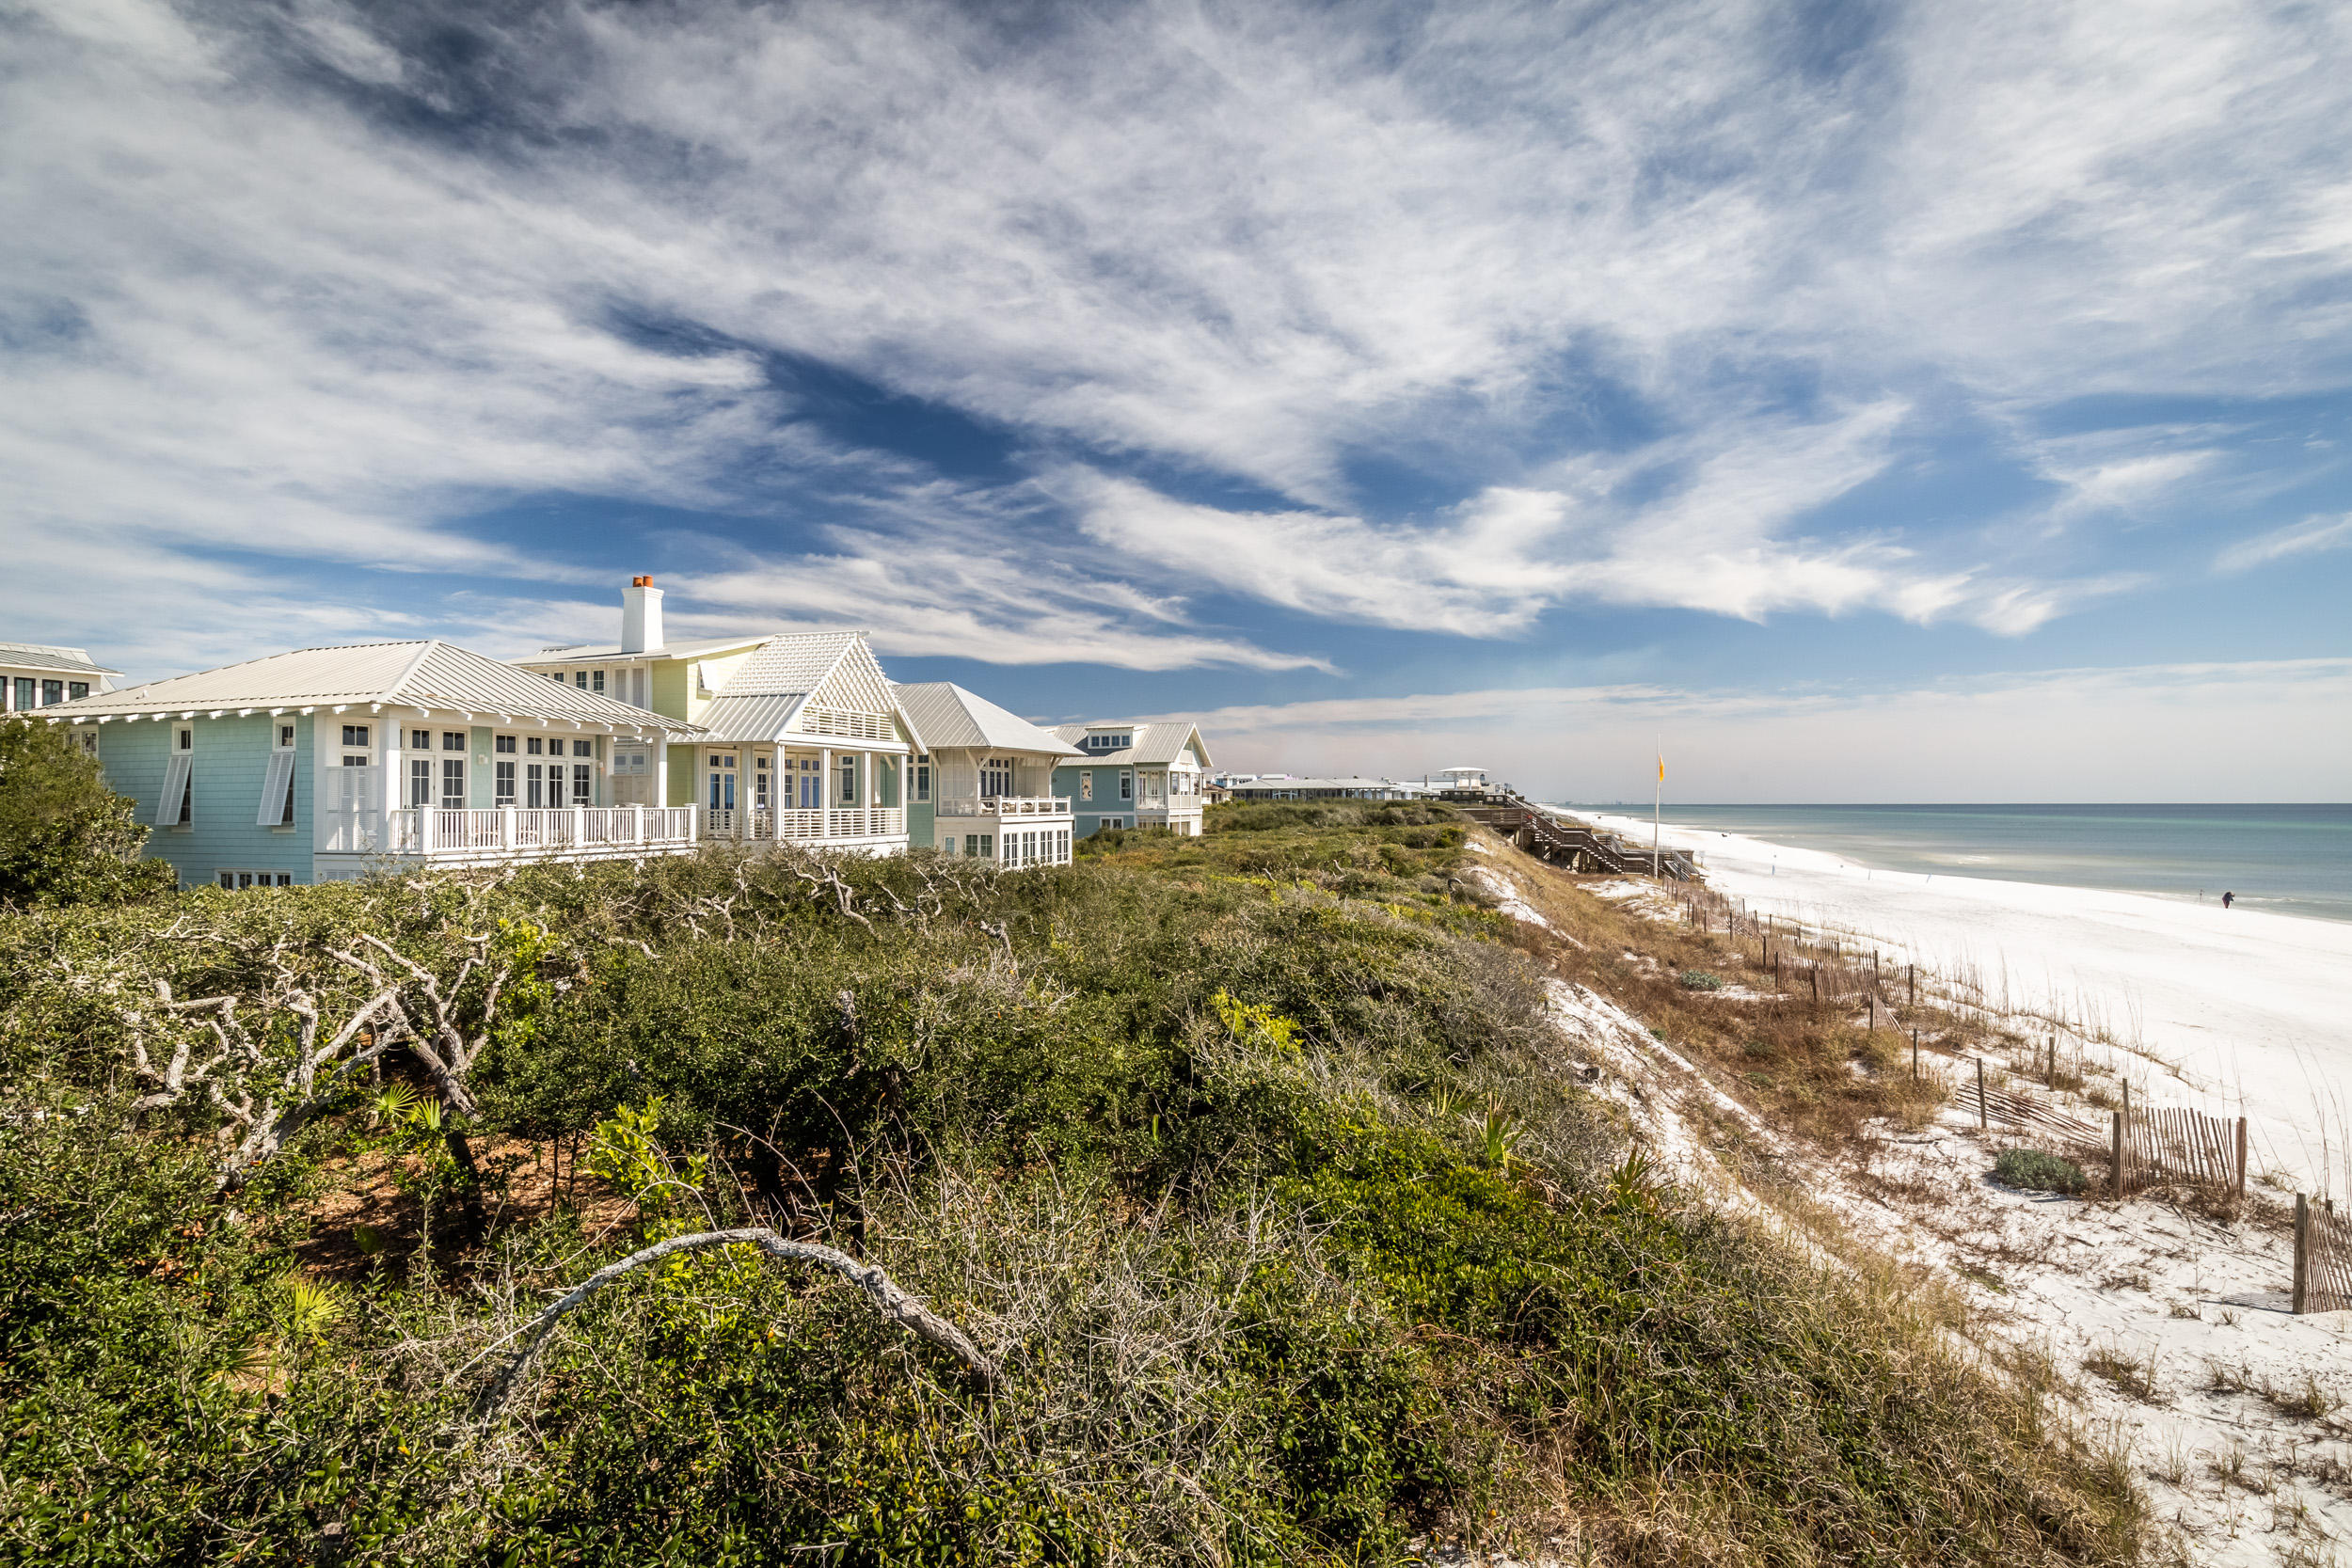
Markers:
(2290, 859)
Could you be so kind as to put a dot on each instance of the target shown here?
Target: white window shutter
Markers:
(274, 781)
(175, 786)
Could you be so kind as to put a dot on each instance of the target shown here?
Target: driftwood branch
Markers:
(892, 1302)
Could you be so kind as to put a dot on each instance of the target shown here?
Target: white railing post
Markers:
(424, 830)
(579, 826)
(506, 827)
(637, 825)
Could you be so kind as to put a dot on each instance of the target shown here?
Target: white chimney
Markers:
(641, 616)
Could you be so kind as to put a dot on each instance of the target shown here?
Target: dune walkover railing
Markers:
(1572, 844)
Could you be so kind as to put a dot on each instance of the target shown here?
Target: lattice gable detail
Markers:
(855, 683)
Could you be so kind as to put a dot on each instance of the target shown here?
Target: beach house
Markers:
(320, 763)
(35, 675)
(984, 781)
(798, 739)
(1132, 775)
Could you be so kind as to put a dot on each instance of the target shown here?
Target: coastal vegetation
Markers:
(1251, 1165)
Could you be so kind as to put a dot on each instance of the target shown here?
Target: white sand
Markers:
(2234, 1012)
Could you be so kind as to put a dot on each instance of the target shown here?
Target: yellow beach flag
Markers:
(1661, 768)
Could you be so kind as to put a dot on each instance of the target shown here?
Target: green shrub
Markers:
(65, 838)
(1700, 980)
(2031, 1170)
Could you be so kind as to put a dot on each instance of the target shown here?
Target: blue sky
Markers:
(1864, 402)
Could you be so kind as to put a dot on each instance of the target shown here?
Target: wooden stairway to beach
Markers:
(1577, 848)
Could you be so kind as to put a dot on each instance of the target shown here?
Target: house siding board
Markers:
(229, 763)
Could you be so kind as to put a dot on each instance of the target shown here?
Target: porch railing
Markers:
(753, 824)
(436, 832)
(1006, 805)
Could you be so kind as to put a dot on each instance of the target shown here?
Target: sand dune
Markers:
(2235, 1011)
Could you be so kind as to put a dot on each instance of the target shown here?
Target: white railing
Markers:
(846, 723)
(438, 834)
(1006, 805)
(758, 824)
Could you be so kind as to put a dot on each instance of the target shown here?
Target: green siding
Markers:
(480, 784)
(230, 759)
(666, 687)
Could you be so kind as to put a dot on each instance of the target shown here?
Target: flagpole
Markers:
(1656, 806)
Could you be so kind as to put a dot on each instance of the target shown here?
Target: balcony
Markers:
(440, 836)
(859, 826)
(1007, 806)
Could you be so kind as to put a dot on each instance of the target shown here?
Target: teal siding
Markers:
(230, 761)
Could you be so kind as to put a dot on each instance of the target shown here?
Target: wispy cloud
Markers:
(1654, 291)
(2308, 538)
(2203, 731)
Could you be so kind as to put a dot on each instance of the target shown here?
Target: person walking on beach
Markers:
(2228, 899)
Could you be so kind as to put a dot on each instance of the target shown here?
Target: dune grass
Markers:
(1248, 1157)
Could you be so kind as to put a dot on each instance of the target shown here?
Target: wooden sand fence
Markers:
(1800, 963)
(2323, 1256)
(2140, 1149)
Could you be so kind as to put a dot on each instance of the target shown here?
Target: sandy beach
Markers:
(2235, 1012)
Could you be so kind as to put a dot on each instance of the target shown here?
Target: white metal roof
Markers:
(589, 653)
(1155, 743)
(427, 674)
(790, 672)
(40, 655)
(945, 714)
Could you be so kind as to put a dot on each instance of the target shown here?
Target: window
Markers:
(1126, 783)
(995, 777)
(77, 689)
(812, 784)
(1086, 783)
(583, 785)
(23, 692)
(51, 691)
(87, 741)
(355, 735)
(948, 844)
(535, 746)
(503, 745)
(980, 844)
(584, 748)
(556, 676)
(596, 681)
(580, 680)
(453, 740)
(237, 880)
(504, 775)
(453, 783)
(534, 785)
(923, 778)
(849, 781)
(760, 785)
(421, 740)
(420, 780)
(285, 738)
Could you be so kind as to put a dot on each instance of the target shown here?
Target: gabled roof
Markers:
(40, 655)
(1155, 743)
(430, 674)
(945, 714)
(588, 652)
(790, 670)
